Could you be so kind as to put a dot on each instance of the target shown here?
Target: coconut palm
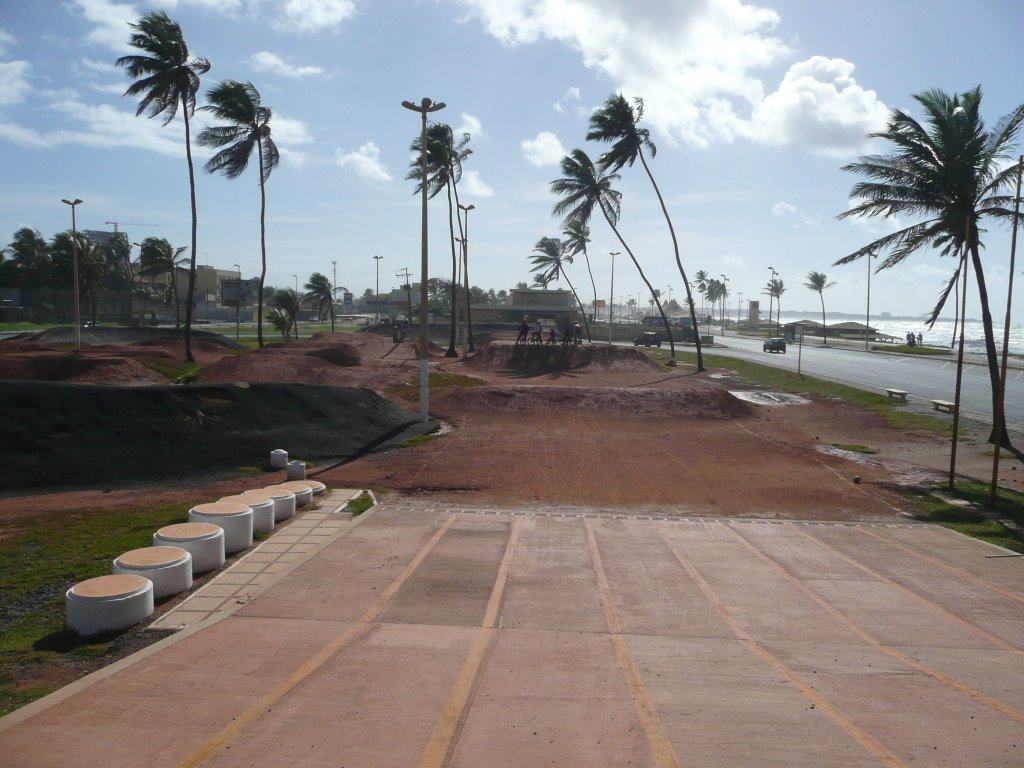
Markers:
(158, 257)
(951, 173)
(288, 301)
(281, 321)
(168, 78)
(577, 235)
(549, 259)
(30, 256)
(775, 288)
(582, 188)
(247, 129)
(618, 123)
(817, 281)
(320, 295)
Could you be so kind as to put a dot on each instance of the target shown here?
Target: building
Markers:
(549, 306)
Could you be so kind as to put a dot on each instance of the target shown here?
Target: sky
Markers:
(753, 107)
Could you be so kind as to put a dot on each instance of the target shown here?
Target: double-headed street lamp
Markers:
(74, 269)
(376, 295)
(465, 274)
(425, 106)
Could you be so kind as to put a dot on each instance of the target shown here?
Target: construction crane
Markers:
(128, 224)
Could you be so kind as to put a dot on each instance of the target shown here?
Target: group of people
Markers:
(535, 335)
(913, 341)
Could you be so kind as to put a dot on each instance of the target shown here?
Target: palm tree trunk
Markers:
(174, 292)
(263, 247)
(593, 285)
(824, 333)
(571, 288)
(679, 263)
(195, 226)
(668, 329)
(465, 269)
(452, 352)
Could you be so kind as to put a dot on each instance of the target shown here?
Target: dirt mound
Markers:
(342, 354)
(83, 435)
(697, 403)
(78, 368)
(506, 355)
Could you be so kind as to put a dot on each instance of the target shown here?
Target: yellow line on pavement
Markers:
(864, 738)
(661, 748)
(220, 740)
(439, 748)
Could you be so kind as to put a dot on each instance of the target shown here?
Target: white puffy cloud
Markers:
(288, 131)
(265, 61)
(365, 162)
(470, 125)
(698, 66)
(544, 150)
(786, 210)
(473, 186)
(782, 209)
(315, 15)
(110, 22)
(570, 97)
(6, 38)
(13, 81)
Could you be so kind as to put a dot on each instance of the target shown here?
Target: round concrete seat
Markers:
(234, 518)
(169, 568)
(108, 602)
(204, 541)
(262, 511)
(284, 501)
(316, 485)
(296, 470)
(302, 490)
(278, 458)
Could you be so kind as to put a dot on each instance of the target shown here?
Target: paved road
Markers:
(443, 637)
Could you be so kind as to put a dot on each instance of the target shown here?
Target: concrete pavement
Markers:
(435, 636)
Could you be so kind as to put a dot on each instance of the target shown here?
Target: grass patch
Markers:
(903, 349)
(360, 504)
(179, 371)
(854, 448)
(1002, 526)
(412, 442)
(410, 390)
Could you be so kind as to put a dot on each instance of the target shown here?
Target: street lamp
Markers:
(238, 303)
(425, 106)
(725, 293)
(74, 269)
(739, 308)
(465, 274)
(771, 298)
(376, 295)
(611, 297)
(867, 321)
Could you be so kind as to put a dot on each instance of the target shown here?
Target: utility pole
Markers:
(376, 295)
(404, 275)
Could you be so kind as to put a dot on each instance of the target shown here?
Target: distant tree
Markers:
(158, 257)
(320, 295)
(549, 258)
(817, 281)
(577, 235)
(775, 289)
(168, 77)
(521, 286)
(368, 293)
(288, 301)
(280, 320)
(29, 258)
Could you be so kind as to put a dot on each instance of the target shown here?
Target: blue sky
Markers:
(753, 107)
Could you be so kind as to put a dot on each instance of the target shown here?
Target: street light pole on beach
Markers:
(425, 106)
(611, 297)
(465, 274)
(238, 304)
(74, 270)
(376, 295)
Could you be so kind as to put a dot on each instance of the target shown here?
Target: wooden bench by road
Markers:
(900, 393)
(943, 405)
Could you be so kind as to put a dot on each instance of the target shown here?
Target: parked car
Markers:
(775, 345)
(647, 339)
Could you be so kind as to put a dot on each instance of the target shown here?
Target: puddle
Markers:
(769, 398)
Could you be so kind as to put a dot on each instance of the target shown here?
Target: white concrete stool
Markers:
(169, 568)
(284, 501)
(296, 470)
(278, 459)
(316, 485)
(108, 603)
(204, 541)
(303, 491)
(262, 510)
(235, 519)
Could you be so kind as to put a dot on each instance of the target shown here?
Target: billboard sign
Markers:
(239, 293)
(346, 298)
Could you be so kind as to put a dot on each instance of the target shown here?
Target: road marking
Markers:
(440, 748)
(220, 739)
(664, 755)
(910, 661)
(864, 738)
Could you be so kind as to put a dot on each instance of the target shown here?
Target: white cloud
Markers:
(13, 81)
(6, 38)
(110, 22)
(781, 209)
(288, 131)
(265, 61)
(470, 125)
(315, 15)
(698, 66)
(544, 150)
(570, 97)
(786, 210)
(365, 162)
(473, 186)
(735, 262)
(105, 67)
(22, 137)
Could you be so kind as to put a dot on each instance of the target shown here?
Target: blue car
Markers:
(775, 345)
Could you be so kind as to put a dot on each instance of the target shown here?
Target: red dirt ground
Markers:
(617, 433)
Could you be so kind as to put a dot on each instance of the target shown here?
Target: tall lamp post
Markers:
(611, 297)
(771, 298)
(739, 309)
(74, 270)
(867, 320)
(238, 304)
(465, 274)
(376, 295)
(425, 106)
(725, 293)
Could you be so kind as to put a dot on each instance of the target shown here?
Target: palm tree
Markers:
(817, 281)
(30, 256)
(280, 320)
(952, 173)
(582, 187)
(577, 235)
(168, 77)
(247, 129)
(288, 301)
(549, 259)
(775, 289)
(618, 123)
(320, 294)
(444, 171)
(159, 257)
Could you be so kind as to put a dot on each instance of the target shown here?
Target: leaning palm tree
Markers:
(577, 235)
(247, 129)
(549, 259)
(618, 123)
(288, 301)
(320, 295)
(582, 188)
(817, 281)
(158, 257)
(951, 172)
(168, 78)
(775, 288)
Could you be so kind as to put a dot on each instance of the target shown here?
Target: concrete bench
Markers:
(943, 405)
(303, 491)
(235, 519)
(168, 567)
(899, 393)
(204, 541)
(108, 603)
(284, 501)
(262, 507)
